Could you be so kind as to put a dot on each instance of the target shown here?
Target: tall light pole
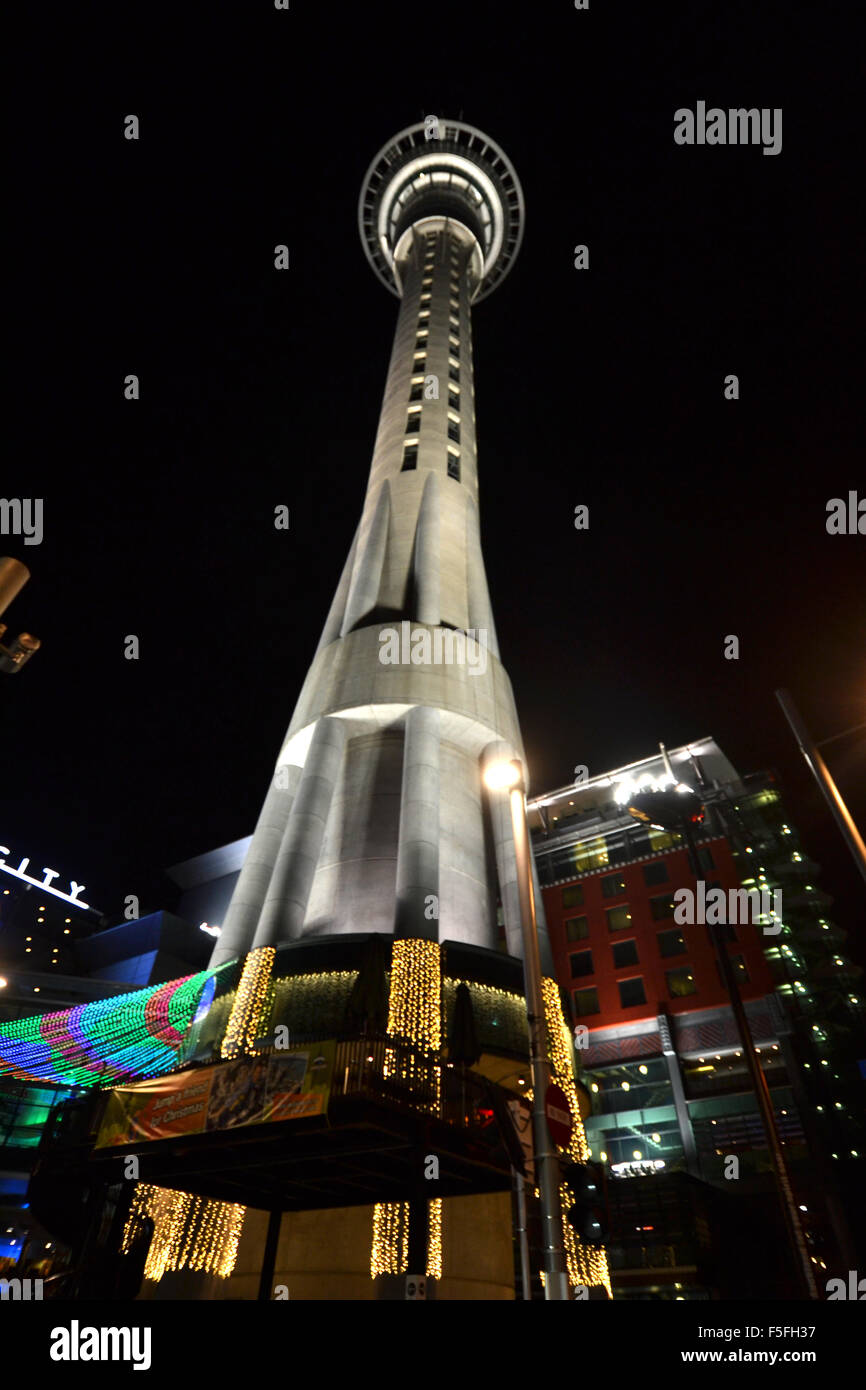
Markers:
(502, 776)
(13, 577)
(819, 770)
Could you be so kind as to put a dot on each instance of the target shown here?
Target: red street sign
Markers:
(559, 1118)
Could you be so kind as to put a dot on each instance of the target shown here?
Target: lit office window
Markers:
(680, 982)
(618, 918)
(585, 1002)
(662, 907)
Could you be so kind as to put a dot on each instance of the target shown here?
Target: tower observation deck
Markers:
(376, 819)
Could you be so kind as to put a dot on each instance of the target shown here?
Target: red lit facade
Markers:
(621, 955)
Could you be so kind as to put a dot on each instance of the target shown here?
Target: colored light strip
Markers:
(109, 1040)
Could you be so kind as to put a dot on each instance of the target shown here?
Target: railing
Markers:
(380, 1067)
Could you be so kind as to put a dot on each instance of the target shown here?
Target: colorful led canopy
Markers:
(108, 1041)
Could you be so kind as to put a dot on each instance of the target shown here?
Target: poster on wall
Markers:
(248, 1091)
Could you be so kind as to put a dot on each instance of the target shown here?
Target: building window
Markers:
(593, 854)
(454, 322)
(413, 423)
(705, 859)
(618, 918)
(454, 345)
(671, 942)
(612, 885)
(664, 839)
(581, 964)
(418, 361)
(585, 1002)
(741, 973)
(632, 992)
(454, 466)
(425, 297)
(423, 315)
(572, 895)
(453, 372)
(453, 401)
(624, 953)
(428, 280)
(577, 928)
(417, 392)
(454, 431)
(421, 340)
(410, 457)
(662, 907)
(681, 982)
(657, 872)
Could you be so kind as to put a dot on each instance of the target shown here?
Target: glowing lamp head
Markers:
(502, 776)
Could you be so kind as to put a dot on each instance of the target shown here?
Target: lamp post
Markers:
(821, 773)
(508, 776)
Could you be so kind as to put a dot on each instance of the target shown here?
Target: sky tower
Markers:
(376, 819)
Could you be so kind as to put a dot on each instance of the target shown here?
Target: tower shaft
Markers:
(376, 818)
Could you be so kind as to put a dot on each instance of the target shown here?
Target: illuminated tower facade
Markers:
(376, 818)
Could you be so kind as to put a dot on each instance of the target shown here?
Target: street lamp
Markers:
(508, 776)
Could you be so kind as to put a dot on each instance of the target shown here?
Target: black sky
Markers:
(605, 387)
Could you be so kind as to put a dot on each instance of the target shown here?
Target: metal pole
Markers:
(269, 1258)
(547, 1167)
(790, 1214)
(523, 1242)
(13, 577)
(818, 768)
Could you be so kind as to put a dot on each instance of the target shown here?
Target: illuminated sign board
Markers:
(44, 883)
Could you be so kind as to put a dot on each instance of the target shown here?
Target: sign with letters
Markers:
(44, 883)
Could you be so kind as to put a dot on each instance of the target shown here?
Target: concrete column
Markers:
(427, 554)
(480, 609)
(418, 847)
(672, 1061)
(367, 579)
(242, 918)
(334, 622)
(285, 906)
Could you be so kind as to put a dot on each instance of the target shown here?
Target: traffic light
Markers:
(586, 1216)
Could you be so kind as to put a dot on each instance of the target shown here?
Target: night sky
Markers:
(603, 387)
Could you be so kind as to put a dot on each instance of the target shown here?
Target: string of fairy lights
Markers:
(190, 1232)
(200, 1233)
(587, 1264)
(414, 1013)
(390, 1249)
(251, 1000)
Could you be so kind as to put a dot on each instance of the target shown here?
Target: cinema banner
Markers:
(249, 1091)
